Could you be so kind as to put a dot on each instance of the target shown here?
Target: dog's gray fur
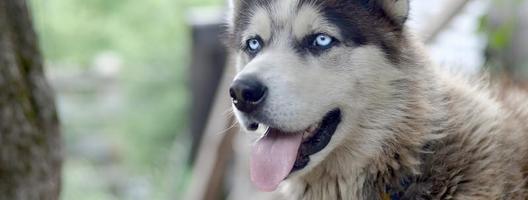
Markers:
(408, 128)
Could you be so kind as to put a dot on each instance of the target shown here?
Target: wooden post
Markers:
(212, 126)
(451, 9)
(208, 63)
(215, 149)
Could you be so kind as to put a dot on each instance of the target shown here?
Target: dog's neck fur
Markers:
(417, 123)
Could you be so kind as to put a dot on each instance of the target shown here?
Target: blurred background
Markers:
(137, 83)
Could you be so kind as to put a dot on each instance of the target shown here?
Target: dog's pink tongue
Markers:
(273, 157)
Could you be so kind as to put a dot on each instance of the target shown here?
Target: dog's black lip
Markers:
(319, 141)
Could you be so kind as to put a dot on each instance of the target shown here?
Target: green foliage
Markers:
(501, 37)
(153, 41)
(75, 30)
(500, 33)
(498, 37)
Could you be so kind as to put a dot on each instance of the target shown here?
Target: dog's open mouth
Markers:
(279, 153)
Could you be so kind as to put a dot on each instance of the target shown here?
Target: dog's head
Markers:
(310, 70)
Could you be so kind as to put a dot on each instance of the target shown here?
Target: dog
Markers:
(354, 109)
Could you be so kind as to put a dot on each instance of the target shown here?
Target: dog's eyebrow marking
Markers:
(246, 26)
(260, 24)
(310, 21)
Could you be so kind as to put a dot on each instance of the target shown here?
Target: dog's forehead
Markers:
(354, 23)
(298, 17)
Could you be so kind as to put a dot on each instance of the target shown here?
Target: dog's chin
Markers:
(293, 149)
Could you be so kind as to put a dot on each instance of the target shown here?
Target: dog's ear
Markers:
(398, 10)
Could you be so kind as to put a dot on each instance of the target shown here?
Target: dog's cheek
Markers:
(341, 72)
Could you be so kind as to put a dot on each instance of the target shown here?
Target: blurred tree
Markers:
(30, 150)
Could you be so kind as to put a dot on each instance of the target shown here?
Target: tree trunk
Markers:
(30, 149)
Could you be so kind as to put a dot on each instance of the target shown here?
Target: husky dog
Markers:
(355, 110)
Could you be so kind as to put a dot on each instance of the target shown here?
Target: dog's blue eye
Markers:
(254, 45)
(323, 40)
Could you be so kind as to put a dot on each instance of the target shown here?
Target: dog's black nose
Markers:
(248, 94)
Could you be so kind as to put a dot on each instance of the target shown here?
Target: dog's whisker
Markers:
(225, 131)
(228, 112)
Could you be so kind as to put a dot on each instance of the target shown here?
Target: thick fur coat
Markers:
(409, 129)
